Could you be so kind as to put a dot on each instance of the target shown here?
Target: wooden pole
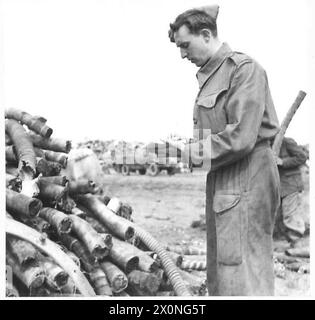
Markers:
(285, 123)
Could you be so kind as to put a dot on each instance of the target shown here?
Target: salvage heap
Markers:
(64, 237)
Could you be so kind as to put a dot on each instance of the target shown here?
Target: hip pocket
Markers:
(227, 208)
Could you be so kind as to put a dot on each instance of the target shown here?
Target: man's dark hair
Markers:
(195, 20)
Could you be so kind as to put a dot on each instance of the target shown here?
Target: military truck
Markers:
(150, 159)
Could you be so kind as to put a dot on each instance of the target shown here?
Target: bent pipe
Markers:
(24, 232)
(168, 265)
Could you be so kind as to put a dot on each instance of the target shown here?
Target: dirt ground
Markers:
(167, 205)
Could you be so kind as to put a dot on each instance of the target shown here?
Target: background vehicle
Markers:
(151, 159)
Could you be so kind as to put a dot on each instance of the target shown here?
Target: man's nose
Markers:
(183, 53)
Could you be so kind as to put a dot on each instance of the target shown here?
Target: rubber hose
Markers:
(187, 250)
(194, 265)
(168, 265)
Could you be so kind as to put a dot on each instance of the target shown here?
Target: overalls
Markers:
(242, 194)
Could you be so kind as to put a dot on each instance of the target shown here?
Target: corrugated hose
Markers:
(168, 265)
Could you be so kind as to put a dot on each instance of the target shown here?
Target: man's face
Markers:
(192, 46)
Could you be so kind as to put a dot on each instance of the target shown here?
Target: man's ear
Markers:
(206, 33)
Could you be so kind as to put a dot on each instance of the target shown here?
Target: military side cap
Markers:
(212, 10)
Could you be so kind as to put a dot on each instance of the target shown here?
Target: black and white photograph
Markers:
(156, 150)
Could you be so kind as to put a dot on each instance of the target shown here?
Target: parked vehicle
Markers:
(150, 159)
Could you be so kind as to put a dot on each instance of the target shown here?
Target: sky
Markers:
(105, 69)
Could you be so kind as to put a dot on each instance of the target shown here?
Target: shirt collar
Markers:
(213, 63)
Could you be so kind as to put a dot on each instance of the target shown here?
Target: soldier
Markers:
(234, 124)
(291, 158)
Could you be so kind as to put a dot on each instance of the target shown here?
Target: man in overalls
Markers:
(234, 116)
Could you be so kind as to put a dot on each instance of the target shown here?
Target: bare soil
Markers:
(167, 205)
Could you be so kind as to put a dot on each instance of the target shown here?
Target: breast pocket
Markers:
(211, 112)
(229, 228)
